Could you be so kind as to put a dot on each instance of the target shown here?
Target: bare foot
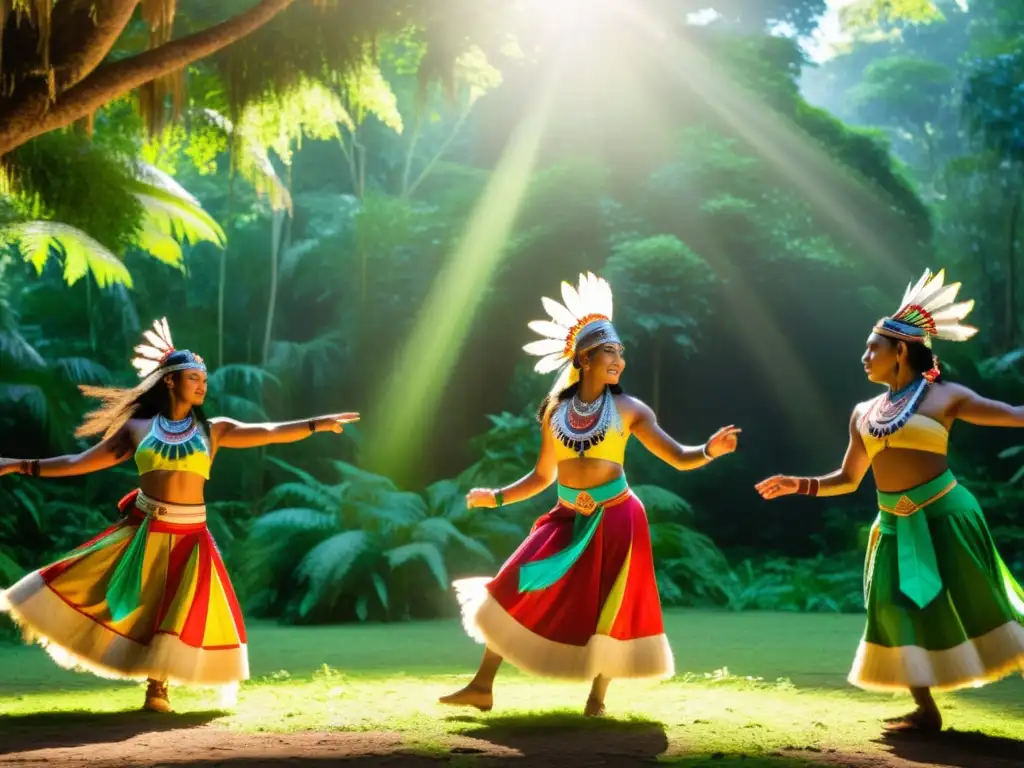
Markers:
(594, 707)
(470, 696)
(157, 698)
(920, 720)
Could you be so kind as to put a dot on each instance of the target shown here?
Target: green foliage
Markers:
(662, 289)
(824, 584)
(358, 548)
(63, 177)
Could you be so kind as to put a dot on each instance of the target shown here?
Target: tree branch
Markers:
(111, 17)
(30, 113)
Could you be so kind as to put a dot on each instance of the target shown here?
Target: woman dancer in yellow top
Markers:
(579, 599)
(149, 597)
(943, 611)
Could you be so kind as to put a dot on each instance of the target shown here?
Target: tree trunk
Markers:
(276, 228)
(223, 275)
(30, 112)
(280, 232)
(1011, 274)
(656, 394)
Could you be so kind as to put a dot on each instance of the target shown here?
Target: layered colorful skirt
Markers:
(943, 610)
(147, 598)
(578, 598)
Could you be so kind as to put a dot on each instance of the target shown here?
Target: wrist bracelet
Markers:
(704, 452)
(29, 468)
(808, 486)
(499, 498)
(312, 425)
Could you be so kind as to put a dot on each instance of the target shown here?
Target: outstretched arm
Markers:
(967, 405)
(682, 457)
(536, 481)
(103, 455)
(228, 433)
(846, 479)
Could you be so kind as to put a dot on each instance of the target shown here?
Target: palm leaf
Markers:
(318, 497)
(441, 532)
(384, 512)
(31, 396)
(422, 551)
(326, 566)
(661, 503)
(171, 210)
(38, 240)
(299, 473)
(361, 477)
(284, 522)
(254, 163)
(241, 377)
(241, 408)
(81, 370)
(17, 351)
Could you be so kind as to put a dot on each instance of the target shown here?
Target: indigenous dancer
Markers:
(943, 611)
(149, 598)
(578, 599)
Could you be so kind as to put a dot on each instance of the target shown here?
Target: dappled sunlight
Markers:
(408, 405)
(755, 684)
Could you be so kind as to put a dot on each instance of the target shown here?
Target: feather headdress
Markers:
(582, 321)
(152, 355)
(929, 309)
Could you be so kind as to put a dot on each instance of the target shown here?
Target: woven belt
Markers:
(175, 514)
(906, 506)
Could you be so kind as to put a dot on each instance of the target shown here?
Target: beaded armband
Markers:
(808, 486)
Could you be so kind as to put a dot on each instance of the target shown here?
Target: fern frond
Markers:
(421, 551)
(39, 240)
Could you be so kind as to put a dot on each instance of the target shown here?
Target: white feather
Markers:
(914, 290)
(572, 301)
(548, 329)
(956, 332)
(953, 312)
(151, 353)
(943, 297)
(545, 347)
(144, 367)
(558, 313)
(550, 363)
(155, 340)
(165, 332)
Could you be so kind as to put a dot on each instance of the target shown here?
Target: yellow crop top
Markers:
(920, 433)
(573, 445)
(164, 450)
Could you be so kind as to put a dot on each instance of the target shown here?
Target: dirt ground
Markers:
(126, 740)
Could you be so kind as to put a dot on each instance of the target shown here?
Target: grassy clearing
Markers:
(750, 685)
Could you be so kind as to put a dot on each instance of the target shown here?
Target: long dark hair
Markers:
(922, 360)
(147, 399)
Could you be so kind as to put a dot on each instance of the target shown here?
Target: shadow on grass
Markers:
(957, 749)
(569, 736)
(56, 730)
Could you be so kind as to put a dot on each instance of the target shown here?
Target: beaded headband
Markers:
(929, 310)
(152, 356)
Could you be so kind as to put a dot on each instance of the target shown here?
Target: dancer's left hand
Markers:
(335, 422)
(723, 441)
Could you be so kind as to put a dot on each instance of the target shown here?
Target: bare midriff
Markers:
(588, 473)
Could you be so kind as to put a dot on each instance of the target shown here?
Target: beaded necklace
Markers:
(175, 439)
(580, 426)
(891, 410)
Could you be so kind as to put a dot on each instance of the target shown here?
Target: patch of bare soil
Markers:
(126, 739)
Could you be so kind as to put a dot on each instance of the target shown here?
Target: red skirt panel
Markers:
(602, 617)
